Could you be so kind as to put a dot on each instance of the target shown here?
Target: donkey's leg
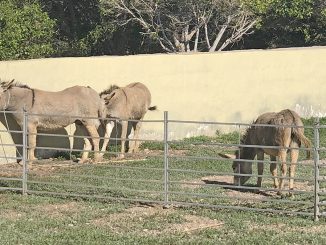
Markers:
(273, 169)
(132, 142)
(92, 131)
(108, 129)
(282, 157)
(124, 129)
(134, 147)
(294, 158)
(137, 142)
(86, 149)
(260, 158)
(32, 131)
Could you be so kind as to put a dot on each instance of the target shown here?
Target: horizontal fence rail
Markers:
(186, 172)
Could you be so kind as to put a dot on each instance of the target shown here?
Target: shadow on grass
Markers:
(253, 189)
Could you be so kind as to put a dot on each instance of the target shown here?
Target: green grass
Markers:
(50, 219)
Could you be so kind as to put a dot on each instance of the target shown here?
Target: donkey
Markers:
(76, 101)
(286, 136)
(126, 103)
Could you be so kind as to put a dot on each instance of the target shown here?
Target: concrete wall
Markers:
(223, 86)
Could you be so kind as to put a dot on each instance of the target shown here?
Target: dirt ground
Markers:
(120, 222)
(45, 167)
(130, 219)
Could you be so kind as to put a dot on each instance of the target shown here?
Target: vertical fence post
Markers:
(25, 160)
(166, 161)
(316, 169)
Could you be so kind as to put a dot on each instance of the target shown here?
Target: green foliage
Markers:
(48, 28)
(76, 23)
(25, 30)
(285, 8)
(299, 9)
(288, 23)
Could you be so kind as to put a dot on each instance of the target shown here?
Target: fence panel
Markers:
(190, 171)
(207, 179)
(11, 173)
(138, 177)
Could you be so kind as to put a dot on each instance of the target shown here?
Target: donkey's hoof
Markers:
(281, 194)
(80, 160)
(257, 191)
(133, 151)
(121, 156)
(98, 158)
(291, 195)
(29, 162)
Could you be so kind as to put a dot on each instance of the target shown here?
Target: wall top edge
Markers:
(313, 48)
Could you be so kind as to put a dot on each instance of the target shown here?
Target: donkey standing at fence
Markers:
(286, 136)
(126, 103)
(70, 105)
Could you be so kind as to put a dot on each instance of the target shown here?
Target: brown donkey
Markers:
(78, 103)
(126, 103)
(286, 136)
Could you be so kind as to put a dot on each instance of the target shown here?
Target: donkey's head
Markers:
(242, 168)
(105, 93)
(4, 99)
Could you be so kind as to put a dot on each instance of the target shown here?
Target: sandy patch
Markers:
(211, 179)
(42, 167)
(241, 196)
(195, 223)
(59, 210)
(124, 221)
(11, 215)
(286, 228)
(46, 166)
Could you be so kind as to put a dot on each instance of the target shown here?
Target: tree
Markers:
(84, 28)
(77, 22)
(25, 30)
(187, 25)
(288, 23)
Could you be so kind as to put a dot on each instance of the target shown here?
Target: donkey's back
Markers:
(138, 99)
(285, 130)
(69, 105)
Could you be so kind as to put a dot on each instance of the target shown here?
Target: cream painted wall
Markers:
(223, 86)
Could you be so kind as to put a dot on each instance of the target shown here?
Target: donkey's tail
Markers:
(304, 140)
(152, 108)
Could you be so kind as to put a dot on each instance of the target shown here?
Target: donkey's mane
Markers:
(16, 84)
(19, 85)
(109, 90)
(246, 134)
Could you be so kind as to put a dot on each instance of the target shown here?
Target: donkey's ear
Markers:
(229, 156)
(10, 83)
(6, 85)
(3, 84)
(108, 98)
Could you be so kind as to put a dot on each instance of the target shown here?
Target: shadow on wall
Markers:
(11, 124)
(59, 140)
(42, 141)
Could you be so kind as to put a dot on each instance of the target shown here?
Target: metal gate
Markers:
(185, 172)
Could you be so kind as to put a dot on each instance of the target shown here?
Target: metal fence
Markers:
(187, 172)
